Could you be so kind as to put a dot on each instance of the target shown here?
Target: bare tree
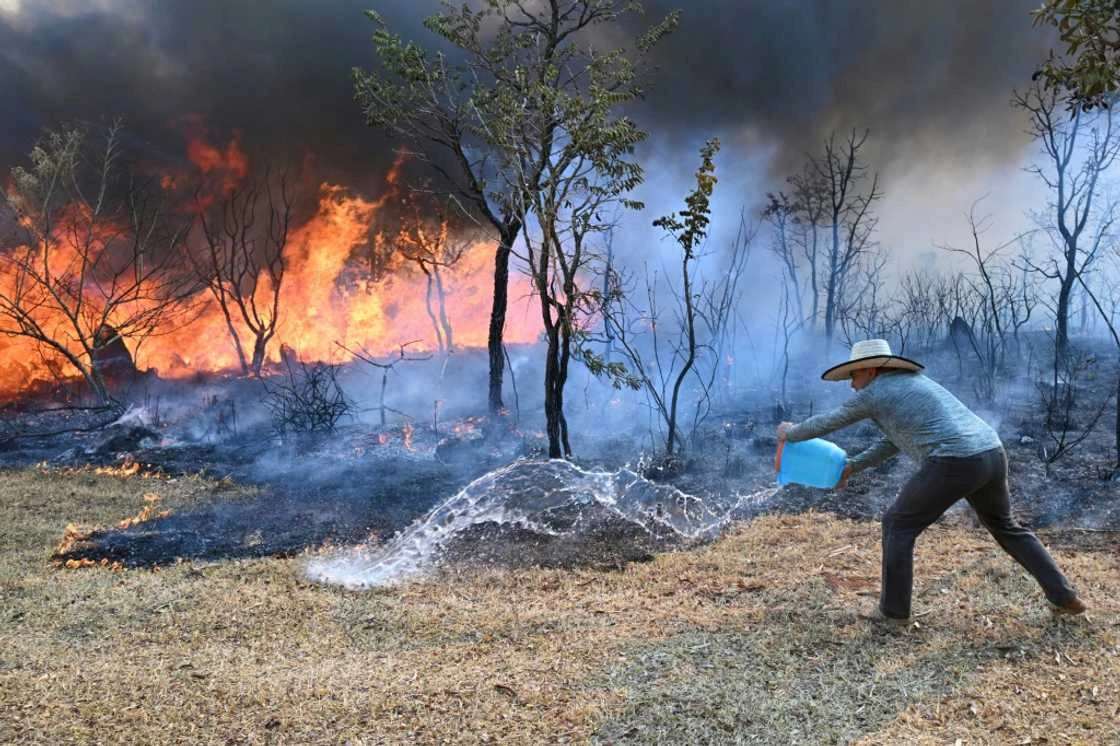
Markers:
(1079, 149)
(242, 261)
(715, 311)
(386, 366)
(866, 310)
(789, 322)
(839, 175)
(995, 300)
(781, 214)
(1107, 302)
(1061, 397)
(426, 241)
(922, 299)
(799, 223)
(94, 257)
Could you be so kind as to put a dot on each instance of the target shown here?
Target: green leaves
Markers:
(615, 372)
(1089, 72)
(690, 226)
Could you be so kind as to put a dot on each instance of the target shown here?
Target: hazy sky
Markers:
(931, 80)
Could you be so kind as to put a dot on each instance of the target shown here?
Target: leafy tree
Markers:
(484, 116)
(573, 166)
(689, 227)
(1089, 72)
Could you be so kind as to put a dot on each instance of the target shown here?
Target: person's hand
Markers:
(783, 428)
(844, 478)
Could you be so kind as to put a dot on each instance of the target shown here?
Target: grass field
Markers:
(752, 639)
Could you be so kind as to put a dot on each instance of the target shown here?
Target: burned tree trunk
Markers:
(498, 318)
(260, 347)
(555, 425)
(444, 321)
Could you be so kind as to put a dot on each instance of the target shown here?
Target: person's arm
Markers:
(880, 451)
(852, 411)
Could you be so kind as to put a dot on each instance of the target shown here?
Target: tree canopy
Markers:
(1089, 71)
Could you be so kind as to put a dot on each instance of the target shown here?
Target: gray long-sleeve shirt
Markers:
(915, 414)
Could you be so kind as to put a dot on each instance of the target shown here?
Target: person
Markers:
(959, 455)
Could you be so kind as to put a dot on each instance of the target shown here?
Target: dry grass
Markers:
(753, 639)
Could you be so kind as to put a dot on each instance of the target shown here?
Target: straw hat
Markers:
(870, 353)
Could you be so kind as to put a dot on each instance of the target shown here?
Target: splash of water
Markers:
(548, 497)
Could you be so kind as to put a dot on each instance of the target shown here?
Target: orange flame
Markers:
(322, 300)
(147, 513)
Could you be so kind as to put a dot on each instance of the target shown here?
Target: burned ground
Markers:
(611, 634)
(365, 482)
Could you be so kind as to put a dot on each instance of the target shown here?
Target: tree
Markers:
(1078, 151)
(828, 197)
(1107, 301)
(577, 153)
(797, 220)
(991, 348)
(425, 239)
(1089, 73)
(663, 353)
(464, 119)
(94, 260)
(242, 260)
(689, 228)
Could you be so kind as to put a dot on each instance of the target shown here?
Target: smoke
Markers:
(280, 74)
(930, 79)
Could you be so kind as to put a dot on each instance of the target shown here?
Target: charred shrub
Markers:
(307, 398)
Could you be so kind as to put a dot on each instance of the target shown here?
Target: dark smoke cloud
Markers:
(924, 77)
(930, 79)
(277, 71)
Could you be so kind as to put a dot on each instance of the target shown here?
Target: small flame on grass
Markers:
(147, 513)
(128, 469)
(466, 425)
(74, 534)
(77, 564)
(406, 432)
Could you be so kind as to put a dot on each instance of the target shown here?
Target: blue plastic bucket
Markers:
(815, 463)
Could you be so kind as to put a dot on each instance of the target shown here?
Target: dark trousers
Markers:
(939, 483)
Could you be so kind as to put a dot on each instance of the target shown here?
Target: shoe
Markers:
(1070, 607)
